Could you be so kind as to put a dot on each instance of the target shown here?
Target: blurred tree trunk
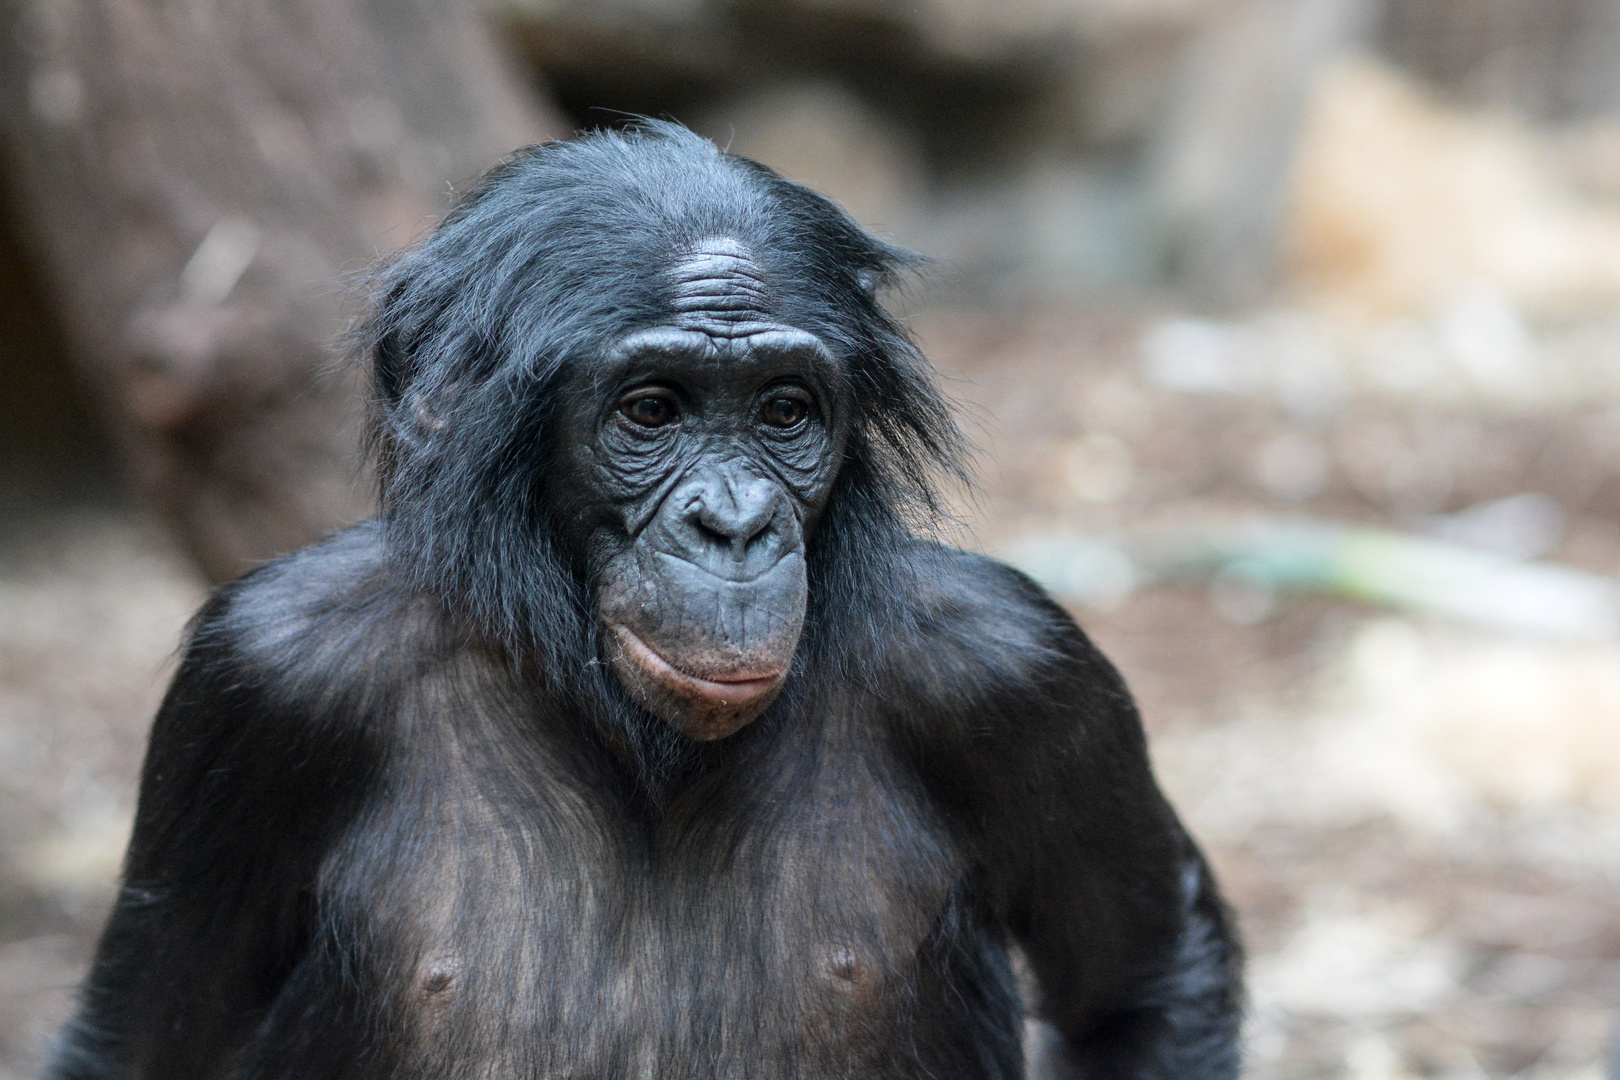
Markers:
(197, 181)
(1224, 149)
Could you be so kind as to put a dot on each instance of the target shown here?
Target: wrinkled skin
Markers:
(710, 454)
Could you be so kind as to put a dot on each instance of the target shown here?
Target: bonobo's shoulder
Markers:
(959, 593)
(320, 621)
(971, 613)
(983, 645)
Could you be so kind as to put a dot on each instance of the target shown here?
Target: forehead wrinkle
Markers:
(718, 288)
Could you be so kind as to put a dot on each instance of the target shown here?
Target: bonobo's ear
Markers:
(424, 412)
(419, 380)
(392, 368)
(410, 410)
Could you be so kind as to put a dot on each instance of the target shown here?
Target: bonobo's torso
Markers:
(640, 737)
(508, 905)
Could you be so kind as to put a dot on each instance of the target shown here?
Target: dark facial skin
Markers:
(709, 456)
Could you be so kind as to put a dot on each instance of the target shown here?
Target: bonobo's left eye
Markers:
(784, 411)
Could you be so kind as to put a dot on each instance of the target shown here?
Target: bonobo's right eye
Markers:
(650, 407)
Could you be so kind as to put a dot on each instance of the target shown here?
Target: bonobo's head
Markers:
(625, 393)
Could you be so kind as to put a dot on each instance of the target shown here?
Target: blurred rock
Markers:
(822, 135)
(1402, 206)
(1349, 960)
(1196, 356)
(1484, 335)
(1049, 145)
(1293, 466)
(1293, 358)
(1474, 350)
(1526, 526)
(1439, 726)
(1549, 59)
(1096, 468)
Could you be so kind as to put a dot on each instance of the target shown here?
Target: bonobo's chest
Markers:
(806, 915)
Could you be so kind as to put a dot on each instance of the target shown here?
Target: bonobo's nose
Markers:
(729, 520)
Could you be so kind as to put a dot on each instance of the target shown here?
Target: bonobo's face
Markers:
(706, 459)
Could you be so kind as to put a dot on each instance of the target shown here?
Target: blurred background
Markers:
(1289, 332)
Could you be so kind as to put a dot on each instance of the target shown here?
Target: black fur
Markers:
(398, 817)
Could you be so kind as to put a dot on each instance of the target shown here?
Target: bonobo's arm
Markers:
(1032, 744)
(241, 791)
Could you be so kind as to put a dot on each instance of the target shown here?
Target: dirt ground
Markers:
(1418, 822)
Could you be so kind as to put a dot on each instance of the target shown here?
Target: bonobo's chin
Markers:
(702, 707)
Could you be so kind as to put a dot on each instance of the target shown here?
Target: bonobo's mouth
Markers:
(736, 692)
(703, 652)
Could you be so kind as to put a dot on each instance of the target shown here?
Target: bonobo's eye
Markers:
(784, 411)
(650, 407)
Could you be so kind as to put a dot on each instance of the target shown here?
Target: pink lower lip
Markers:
(742, 691)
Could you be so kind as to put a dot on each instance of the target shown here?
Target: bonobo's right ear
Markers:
(388, 339)
(408, 410)
(392, 368)
(419, 375)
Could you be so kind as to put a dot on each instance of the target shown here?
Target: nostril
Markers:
(710, 533)
(760, 534)
(755, 528)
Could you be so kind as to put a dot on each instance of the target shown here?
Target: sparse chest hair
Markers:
(792, 909)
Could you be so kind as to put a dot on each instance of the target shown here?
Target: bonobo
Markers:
(646, 733)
